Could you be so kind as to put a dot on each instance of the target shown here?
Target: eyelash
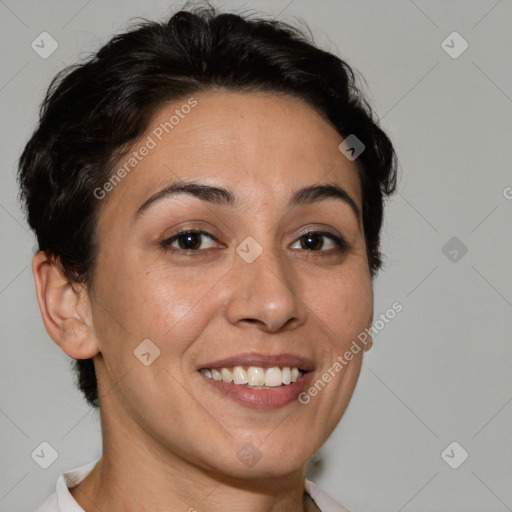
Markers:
(341, 245)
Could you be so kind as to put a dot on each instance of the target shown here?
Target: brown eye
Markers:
(188, 241)
(315, 241)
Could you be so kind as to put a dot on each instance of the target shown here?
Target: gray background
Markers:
(440, 371)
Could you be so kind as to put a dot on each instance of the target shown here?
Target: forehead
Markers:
(261, 145)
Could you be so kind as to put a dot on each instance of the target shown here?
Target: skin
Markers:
(169, 440)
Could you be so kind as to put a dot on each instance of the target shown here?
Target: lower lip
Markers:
(262, 399)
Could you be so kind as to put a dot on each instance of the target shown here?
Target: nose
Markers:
(265, 292)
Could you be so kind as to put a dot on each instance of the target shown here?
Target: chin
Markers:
(269, 457)
(249, 460)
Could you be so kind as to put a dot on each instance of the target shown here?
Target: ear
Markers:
(369, 341)
(65, 309)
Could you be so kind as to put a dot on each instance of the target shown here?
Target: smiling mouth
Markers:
(255, 377)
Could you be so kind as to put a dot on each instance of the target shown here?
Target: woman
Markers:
(207, 195)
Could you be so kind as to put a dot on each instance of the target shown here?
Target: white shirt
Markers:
(62, 501)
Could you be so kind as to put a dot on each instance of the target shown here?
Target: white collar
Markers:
(66, 502)
(62, 501)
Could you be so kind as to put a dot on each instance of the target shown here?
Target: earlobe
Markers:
(65, 309)
(368, 343)
(369, 340)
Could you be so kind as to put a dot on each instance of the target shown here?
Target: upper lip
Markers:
(261, 360)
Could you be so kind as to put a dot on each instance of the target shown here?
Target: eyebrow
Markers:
(221, 196)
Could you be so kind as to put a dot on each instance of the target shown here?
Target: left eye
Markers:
(314, 241)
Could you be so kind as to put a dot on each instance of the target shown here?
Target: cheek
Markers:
(158, 301)
(173, 299)
(343, 306)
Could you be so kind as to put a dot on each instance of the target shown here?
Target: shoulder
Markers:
(324, 502)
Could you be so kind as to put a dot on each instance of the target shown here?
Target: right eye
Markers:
(189, 241)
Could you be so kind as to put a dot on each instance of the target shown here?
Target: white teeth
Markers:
(216, 375)
(227, 376)
(273, 377)
(239, 375)
(255, 376)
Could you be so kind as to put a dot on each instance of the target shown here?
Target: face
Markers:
(264, 285)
